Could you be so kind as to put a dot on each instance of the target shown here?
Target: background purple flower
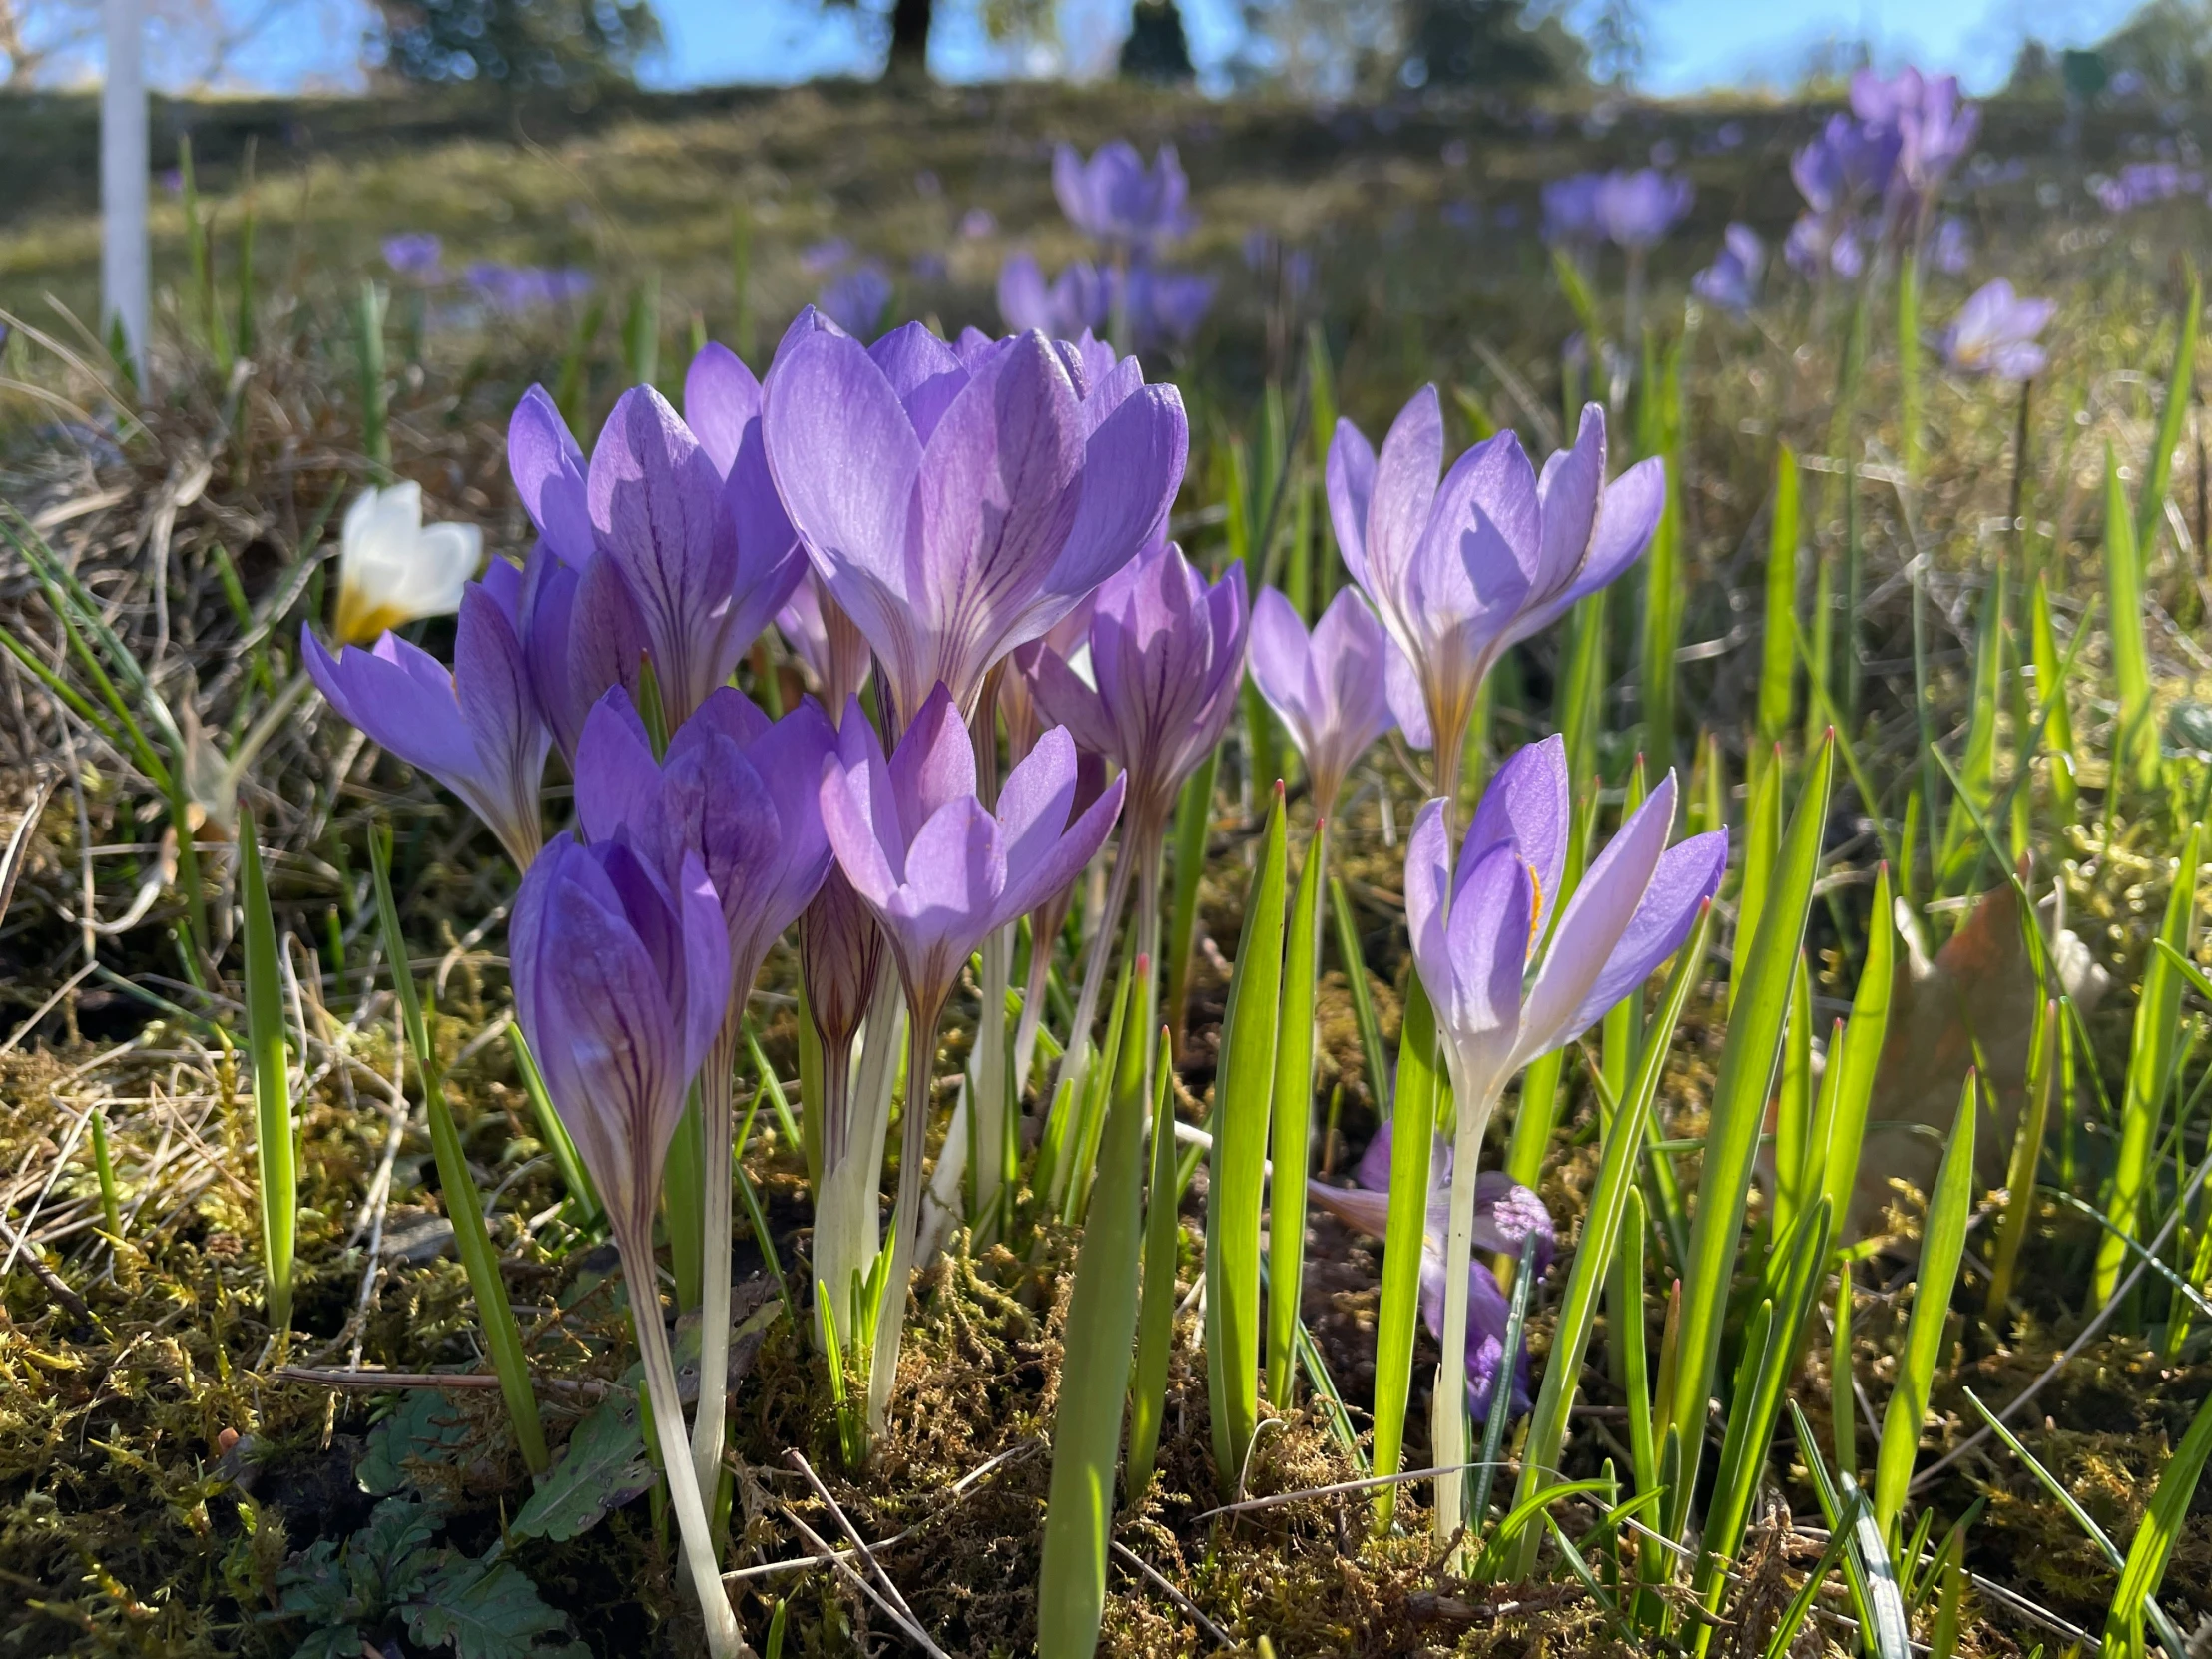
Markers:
(1079, 299)
(1731, 281)
(414, 255)
(1994, 334)
(858, 301)
(1637, 210)
(1115, 199)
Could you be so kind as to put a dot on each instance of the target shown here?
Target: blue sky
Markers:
(1693, 44)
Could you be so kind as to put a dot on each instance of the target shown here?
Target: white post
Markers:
(123, 276)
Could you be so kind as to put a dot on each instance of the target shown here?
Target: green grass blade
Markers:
(2173, 416)
(1353, 963)
(1613, 1206)
(264, 1041)
(1163, 1234)
(1243, 1091)
(2161, 1625)
(2050, 693)
(1194, 810)
(2137, 739)
(1762, 846)
(1977, 766)
(1861, 1053)
(2155, 1538)
(1795, 1162)
(2150, 1068)
(554, 1132)
(375, 390)
(1778, 647)
(495, 1315)
(1748, 1056)
(1291, 1119)
(2028, 1153)
(1663, 599)
(1094, 1376)
(1398, 1312)
(1942, 1245)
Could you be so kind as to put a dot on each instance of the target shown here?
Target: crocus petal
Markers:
(548, 471)
(1350, 480)
(491, 682)
(925, 371)
(1030, 886)
(933, 764)
(1403, 489)
(1527, 804)
(618, 781)
(657, 512)
(1684, 879)
(867, 864)
(1592, 925)
(1569, 494)
(721, 400)
(1033, 807)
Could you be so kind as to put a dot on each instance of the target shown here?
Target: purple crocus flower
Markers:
(1167, 656)
(1731, 281)
(940, 872)
(1637, 210)
(668, 541)
(1934, 128)
(1479, 928)
(936, 868)
(856, 300)
(1478, 922)
(1951, 248)
(1080, 299)
(1570, 209)
(620, 983)
(1331, 688)
(1164, 307)
(477, 729)
(737, 795)
(1460, 572)
(414, 255)
(1994, 334)
(957, 508)
(1115, 199)
(1506, 1215)
(822, 257)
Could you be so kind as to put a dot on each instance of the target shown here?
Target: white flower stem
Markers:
(1076, 1058)
(715, 1117)
(987, 1078)
(1448, 1406)
(723, 1639)
(890, 1327)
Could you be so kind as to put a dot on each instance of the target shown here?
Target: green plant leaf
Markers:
(1094, 1376)
(603, 1468)
(1778, 645)
(1243, 1092)
(265, 1040)
(1750, 1054)
(1942, 1245)
(484, 1613)
(1292, 1119)
(424, 1428)
(1398, 1313)
(2154, 1541)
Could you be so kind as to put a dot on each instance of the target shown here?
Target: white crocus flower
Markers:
(393, 568)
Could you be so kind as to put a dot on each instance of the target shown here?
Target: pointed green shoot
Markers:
(1750, 1055)
(463, 1204)
(2123, 586)
(2173, 417)
(2150, 1070)
(1414, 1131)
(1942, 1245)
(2028, 1153)
(2155, 1538)
(265, 1042)
(1094, 1376)
(1242, 1090)
(1778, 648)
(1163, 1234)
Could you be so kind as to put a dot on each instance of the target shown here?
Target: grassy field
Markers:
(1994, 602)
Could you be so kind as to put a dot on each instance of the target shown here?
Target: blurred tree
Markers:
(1332, 49)
(2168, 43)
(1157, 49)
(1487, 43)
(514, 43)
(904, 27)
(1615, 34)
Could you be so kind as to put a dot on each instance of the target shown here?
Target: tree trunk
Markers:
(909, 57)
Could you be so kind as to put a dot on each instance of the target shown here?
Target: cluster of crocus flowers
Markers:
(1512, 976)
(1994, 334)
(1633, 209)
(939, 872)
(1874, 175)
(1459, 571)
(1731, 281)
(1132, 213)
